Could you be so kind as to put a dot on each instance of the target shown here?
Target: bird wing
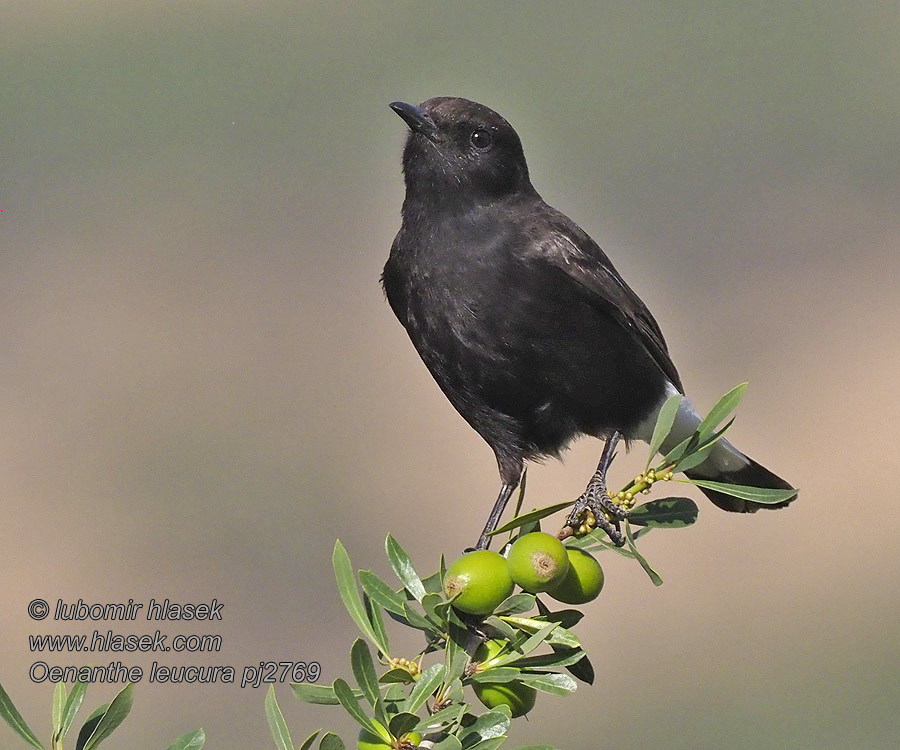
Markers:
(569, 249)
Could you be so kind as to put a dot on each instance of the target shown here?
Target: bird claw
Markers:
(607, 514)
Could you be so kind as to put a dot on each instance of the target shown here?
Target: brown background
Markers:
(201, 386)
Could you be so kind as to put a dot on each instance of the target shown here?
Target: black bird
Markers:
(521, 318)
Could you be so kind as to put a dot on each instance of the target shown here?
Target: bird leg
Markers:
(505, 493)
(596, 499)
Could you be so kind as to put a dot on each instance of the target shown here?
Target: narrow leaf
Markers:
(381, 592)
(349, 701)
(534, 515)
(308, 742)
(666, 513)
(745, 492)
(277, 725)
(429, 681)
(724, 406)
(654, 576)
(403, 567)
(490, 725)
(90, 724)
(402, 723)
(664, 421)
(331, 742)
(516, 604)
(14, 719)
(376, 620)
(322, 695)
(59, 705)
(346, 583)
(118, 709)
(191, 741)
(553, 683)
(73, 703)
(364, 671)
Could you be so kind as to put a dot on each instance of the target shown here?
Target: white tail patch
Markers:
(723, 458)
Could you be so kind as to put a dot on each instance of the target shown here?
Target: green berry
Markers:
(519, 697)
(537, 561)
(583, 581)
(481, 581)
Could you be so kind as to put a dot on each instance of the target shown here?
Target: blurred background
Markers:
(201, 386)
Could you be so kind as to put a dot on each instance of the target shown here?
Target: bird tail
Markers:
(725, 463)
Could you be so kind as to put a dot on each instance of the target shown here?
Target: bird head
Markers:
(459, 147)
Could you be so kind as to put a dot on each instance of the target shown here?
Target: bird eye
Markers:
(482, 138)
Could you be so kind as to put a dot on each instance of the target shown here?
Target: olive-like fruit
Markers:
(537, 562)
(479, 580)
(583, 582)
(519, 697)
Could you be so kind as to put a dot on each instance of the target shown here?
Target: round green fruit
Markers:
(519, 697)
(583, 582)
(537, 561)
(410, 740)
(479, 580)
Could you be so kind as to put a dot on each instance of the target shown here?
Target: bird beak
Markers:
(415, 117)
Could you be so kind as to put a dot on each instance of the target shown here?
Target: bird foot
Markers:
(596, 508)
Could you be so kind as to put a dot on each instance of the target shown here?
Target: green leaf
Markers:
(552, 683)
(562, 657)
(431, 604)
(450, 742)
(70, 710)
(568, 618)
(322, 695)
(534, 515)
(664, 421)
(700, 453)
(404, 569)
(654, 576)
(665, 513)
(443, 719)
(398, 675)
(373, 611)
(745, 492)
(308, 742)
(12, 717)
(59, 705)
(491, 744)
(429, 681)
(191, 741)
(496, 674)
(495, 627)
(581, 670)
(118, 709)
(331, 742)
(277, 725)
(515, 605)
(90, 724)
(433, 584)
(346, 583)
(379, 591)
(724, 406)
(351, 705)
(596, 541)
(364, 671)
(559, 637)
(490, 725)
(403, 723)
